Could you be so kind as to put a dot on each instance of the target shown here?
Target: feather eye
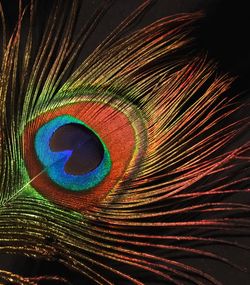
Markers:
(61, 142)
(57, 160)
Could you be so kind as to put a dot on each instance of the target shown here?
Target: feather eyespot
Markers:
(76, 154)
(65, 145)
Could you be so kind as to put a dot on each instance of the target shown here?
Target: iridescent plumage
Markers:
(159, 106)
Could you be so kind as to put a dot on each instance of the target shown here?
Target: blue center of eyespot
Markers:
(87, 149)
(72, 154)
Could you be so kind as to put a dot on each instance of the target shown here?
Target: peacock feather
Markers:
(121, 165)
